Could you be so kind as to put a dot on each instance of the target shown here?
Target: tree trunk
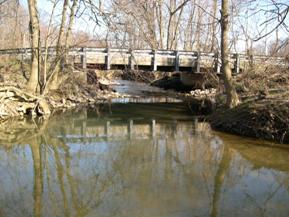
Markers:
(70, 24)
(69, 32)
(188, 34)
(214, 26)
(159, 14)
(176, 30)
(198, 30)
(45, 59)
(35, 39)
(232, 97)
(171, 23)
(54, 83)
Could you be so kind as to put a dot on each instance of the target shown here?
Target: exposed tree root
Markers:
(15, 102)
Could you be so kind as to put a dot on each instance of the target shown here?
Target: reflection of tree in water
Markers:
(223, 168)
(180, 170)
(57, 158)
(234, 172)
(53, 159)
(38, 176)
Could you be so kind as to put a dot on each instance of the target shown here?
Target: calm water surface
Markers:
(137, 160)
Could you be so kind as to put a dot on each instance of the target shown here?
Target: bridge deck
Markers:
(155, 60)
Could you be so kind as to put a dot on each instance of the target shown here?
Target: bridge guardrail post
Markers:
(154, 61)
(237, 63)
(217, 63)
(131, 59)
(83, 58)
(198, 68)
(177, 61)
(108, 59)
(251, 60)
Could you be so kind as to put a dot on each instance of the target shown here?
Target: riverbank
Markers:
(264, 111)
(260, 119)
(78, 88)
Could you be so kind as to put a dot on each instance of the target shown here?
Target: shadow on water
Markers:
(137, 160)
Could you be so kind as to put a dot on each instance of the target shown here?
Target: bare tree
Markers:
(232, 97)
(214, 26)
(13, 25)
(35, 45)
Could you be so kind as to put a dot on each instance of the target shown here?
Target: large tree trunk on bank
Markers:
(48, 34)
(232, 97)
(35, 40)
(53, 83)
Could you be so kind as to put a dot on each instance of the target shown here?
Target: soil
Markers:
(264, 120)
(77, 88)
(264, 111)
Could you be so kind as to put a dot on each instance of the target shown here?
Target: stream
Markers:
(146, 158)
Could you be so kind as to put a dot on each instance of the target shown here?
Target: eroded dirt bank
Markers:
(262, 119)
(264, 111)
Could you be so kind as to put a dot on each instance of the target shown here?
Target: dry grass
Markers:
(266, 81)
(264, 112)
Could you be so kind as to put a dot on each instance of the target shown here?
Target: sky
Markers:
(252, 21)
(81, 24)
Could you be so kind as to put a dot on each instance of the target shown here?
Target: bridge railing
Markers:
(156, 58)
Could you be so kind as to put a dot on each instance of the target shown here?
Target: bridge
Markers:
(154, 60)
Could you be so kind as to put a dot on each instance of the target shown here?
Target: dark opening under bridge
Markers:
(154, 60)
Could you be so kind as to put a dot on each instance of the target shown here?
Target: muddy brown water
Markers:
(137, 160)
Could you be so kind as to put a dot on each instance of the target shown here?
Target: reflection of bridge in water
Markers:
(93, 131)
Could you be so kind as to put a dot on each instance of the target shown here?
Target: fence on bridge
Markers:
(155, 60)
